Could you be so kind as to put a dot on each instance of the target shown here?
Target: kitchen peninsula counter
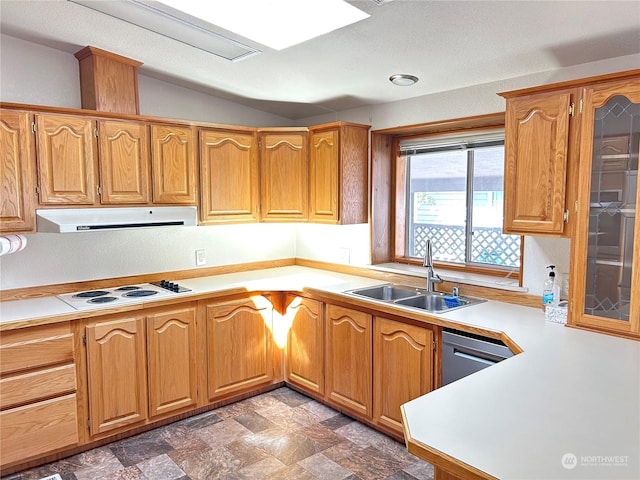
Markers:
(567, 407)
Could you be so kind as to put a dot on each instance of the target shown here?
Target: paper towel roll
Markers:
(12, 243)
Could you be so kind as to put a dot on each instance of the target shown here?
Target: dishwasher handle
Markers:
(475, 356)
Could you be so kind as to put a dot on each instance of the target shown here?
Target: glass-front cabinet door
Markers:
(606, 255)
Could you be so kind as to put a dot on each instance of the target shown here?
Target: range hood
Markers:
(67, 220)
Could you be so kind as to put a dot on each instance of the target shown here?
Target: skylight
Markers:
(275, 23)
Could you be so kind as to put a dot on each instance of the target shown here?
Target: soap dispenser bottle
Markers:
(548, 288)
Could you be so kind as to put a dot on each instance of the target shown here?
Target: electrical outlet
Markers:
(343, 255)
(201, 257)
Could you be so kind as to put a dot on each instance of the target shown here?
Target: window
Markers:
(454, 196)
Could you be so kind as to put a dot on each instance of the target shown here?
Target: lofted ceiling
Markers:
(447, 44)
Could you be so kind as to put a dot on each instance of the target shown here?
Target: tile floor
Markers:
(278, 435)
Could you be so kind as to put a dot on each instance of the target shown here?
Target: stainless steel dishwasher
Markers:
(465, 353)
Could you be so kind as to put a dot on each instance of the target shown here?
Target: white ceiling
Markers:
(447, 44)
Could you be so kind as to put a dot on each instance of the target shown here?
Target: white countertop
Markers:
(569, 392)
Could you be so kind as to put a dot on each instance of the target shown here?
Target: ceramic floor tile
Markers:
(342, 450)
(290, 397)
(395, 449)
(320, 434)
(420, 470)
(262, 469)
(107, 467)
(319, 411)
(138, 448)
(214, 464)
(292, 472)
(279, 435)
(246, 453)
(182, 437)
(321, 467)
(220, 434)
(128, 473)
(401, 475)
(254, 421)
(337, 421)
(360, 434)
(286, 447)
(288, 418)
(363, 464)
(235, 409)
(161, 467)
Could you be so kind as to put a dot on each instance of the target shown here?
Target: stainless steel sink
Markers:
(419, 298)
(388, 292)
(434, 302)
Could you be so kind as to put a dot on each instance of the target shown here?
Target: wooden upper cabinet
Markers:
(305, 344)
(124, 162)
(117, 374)
(173, 165)
(537, 149)
(172, 360)
(605, 253)
(338, 173)
(348, 359)
(284, 167)
(403, 368)
(229, 176)
(66, 159)
(17, 213)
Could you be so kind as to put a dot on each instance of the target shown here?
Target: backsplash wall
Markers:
(52, 258)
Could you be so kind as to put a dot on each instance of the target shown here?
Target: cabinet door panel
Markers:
(124, 162)
(172, 361)
(239, 347)
(323, 177)
(305, 345)
(284, 177)
(403, 368)
(536, 156)
(229, 170)
(116, 374)
(606, 250)
(348, 359)
(17, 213)
(174, 165)
(66, 159)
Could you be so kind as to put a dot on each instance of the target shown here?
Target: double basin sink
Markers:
(419, 298)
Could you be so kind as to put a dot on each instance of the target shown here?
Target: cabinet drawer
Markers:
(35, 347)
(33, 430)
(33, 386)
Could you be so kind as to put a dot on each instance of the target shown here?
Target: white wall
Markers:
(30, 73)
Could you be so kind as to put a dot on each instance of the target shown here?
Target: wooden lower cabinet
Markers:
(348, 359)
(117, 374)
(37, 393)
(37, 429)
(305, 344)
(172, 361)
(239, 346)
(402, 368)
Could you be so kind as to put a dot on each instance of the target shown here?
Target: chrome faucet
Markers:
(432, 277)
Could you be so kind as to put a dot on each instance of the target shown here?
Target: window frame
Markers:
(388, 184)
